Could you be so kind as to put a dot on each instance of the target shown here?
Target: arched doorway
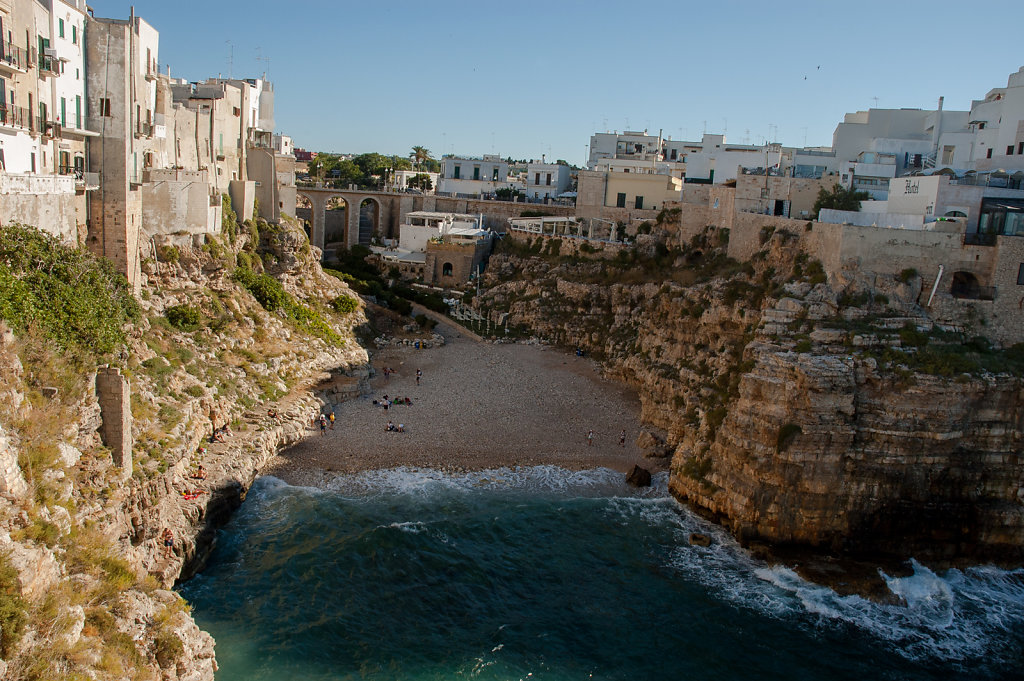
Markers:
(965, 285)
(446, 269)
(369, 220)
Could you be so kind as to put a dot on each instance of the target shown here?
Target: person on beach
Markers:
(419, 374)
(622, 439)
(401, 427)
(168, 541)
(391, 426)
(323, 425)
(312, 420)
(331, 418)
(590, 438)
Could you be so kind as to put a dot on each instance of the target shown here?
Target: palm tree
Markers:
(420, 154)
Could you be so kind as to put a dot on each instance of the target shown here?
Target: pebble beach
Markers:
(478, 406)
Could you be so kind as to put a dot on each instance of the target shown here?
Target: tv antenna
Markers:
(265, 60)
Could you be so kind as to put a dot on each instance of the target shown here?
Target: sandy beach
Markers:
(477, 406)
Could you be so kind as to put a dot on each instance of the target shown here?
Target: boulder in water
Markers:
(698, 539)
(639, 477)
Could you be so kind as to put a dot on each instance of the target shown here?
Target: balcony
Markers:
(979, 239)
(13, 58)
(49, 65)
(14, 117)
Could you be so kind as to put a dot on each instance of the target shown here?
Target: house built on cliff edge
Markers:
(44, 124)
(98, 147)
(441, 249)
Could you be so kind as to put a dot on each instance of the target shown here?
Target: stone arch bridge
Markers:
(366, 212)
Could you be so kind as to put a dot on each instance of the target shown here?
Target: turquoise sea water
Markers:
(542, 573)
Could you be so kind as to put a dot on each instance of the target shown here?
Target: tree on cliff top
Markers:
(839, 198)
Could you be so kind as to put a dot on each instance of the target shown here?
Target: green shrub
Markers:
(803, 346)
(13, 609)
(267, 291)
(229, 219)
(195, 391)
(344, 304)
(910, 337)
(168, 253)
(245, 260)
(77, 299)
(184, 317)
(787, 433)
(815, 272)
(906, 275)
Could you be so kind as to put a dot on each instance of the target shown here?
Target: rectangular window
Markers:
(1020, 275)
(639, 203)
(74, 34)
(988, 154)
(456, 174)
(63, 111)
(1009, 150)
(620, 201)
(476, 172)
(536, 178)
(32, 158)
(1020, 147)
(947, 154)
(494, 174)
(60, 27)
(548, 180)
(105, 107)
(78, 111)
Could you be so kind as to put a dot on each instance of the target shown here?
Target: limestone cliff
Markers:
(235, 334)
(798, 409)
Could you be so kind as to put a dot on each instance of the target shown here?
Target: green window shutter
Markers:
(78, 111)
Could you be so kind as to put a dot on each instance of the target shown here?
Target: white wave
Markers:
(426, 482)
(957, 616)
(412, 527)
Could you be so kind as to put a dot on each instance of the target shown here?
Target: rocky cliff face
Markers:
(84, 574)
(798, 411)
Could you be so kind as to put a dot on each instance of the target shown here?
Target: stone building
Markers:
(43, 123)
(472, 177)
(121, 59)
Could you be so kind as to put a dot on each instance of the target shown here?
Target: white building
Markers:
(998, 131)
(43, 116)
(283, 145)
(472, 176)
(547, 180)
(402, 177)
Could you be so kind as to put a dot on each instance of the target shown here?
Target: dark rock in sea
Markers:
(698, 539)
(639, 477)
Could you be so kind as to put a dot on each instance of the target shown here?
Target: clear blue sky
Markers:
(527, 78)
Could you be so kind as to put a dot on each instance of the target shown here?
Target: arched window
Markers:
(446, 269)
(955, 214)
